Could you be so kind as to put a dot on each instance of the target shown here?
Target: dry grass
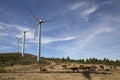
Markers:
(32, 72)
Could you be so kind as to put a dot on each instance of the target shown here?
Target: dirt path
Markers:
(58, 76)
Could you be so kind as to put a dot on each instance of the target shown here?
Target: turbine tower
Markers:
(23, 47)
(38, 29)
(18, 41)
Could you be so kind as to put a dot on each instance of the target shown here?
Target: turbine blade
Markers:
(46, 21)
(36, 30)
(36, 18)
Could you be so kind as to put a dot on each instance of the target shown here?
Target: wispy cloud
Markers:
(106, 2)
(9, 31)
(18, 32)
(1, 27)
(46, 40)
(8, 14)
(88, 11)
(3, 34)
(90, 38)
(83, 9)
(4, 48)
(2, 30)
(79, 44)
(104, 32)
(80, 27)
(75, 6)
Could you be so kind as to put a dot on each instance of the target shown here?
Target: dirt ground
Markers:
(32, 72)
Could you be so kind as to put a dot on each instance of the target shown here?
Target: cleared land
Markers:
(57, 71)
(32, 72)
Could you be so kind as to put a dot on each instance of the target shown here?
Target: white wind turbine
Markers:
(23, 47)
(18, 42)
(38, 29)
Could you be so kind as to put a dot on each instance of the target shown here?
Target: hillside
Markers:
(7, 59)
(26, 68)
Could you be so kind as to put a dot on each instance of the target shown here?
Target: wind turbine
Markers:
(38, 29)
(18, 41)
(23, 47)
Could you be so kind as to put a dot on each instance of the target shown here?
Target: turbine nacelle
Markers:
(40, 21)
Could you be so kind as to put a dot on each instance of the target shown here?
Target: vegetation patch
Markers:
(10, 59)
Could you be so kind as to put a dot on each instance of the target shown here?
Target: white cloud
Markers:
(93, 35)
(18, 32)
(88, 11)
(2, 30)
(78, 10)
(12, 30)
(4, 47)
(3, 34)
(1, 27)
(47, 40)
(83, 9)
(80, 44)
(9, 14)
(50, 39)
(107, 2)
(76, 5)
(21, 28)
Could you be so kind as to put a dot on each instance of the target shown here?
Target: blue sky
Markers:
(80, 29)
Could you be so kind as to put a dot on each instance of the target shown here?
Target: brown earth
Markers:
(32, 72)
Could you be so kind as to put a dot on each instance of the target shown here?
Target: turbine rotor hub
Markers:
(40, 21)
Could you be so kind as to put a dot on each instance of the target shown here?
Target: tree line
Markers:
(89, 61)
